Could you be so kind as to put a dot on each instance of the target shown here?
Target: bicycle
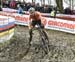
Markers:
(43, 38)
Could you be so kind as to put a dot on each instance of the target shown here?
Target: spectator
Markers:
(24, 8)
(20, 10)
(28, 6)
(7, 3)
(3, 3)
(50, 9)
(33, 4)
(12, 4)
(53, 13)
(45, 9)
(73, 11)
(0, 8)
(38, 7)
(67, 10)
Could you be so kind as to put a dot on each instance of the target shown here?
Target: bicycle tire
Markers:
(27, 49)
(43, 38)
(45, 41)
(31, 43)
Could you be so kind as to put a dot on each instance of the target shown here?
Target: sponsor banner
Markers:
(8, 10)
(6, 28)
(21, 19)
(62, 16)
(50, 23)
(61, 25)
(66, 17)
(6, 22)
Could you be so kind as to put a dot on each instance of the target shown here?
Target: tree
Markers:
(71, 3)
(49, 2)
(32, 0)
(42, 2)
(60, 5)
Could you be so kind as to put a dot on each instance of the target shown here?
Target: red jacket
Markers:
(12, 4)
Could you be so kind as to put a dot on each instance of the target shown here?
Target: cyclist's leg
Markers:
(41, 34)
(43, 30)
(32, 25)
(45, 39)
(42, 26)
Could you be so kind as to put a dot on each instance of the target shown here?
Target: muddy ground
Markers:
(61, 46)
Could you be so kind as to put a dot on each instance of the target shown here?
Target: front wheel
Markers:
(45, 41)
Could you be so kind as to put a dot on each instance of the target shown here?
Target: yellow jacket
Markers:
(52, 13)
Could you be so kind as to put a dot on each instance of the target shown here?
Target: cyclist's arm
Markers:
(29, 21)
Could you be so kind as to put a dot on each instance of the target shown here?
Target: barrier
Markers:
(60, 16)
(6, 28)
(62, 24)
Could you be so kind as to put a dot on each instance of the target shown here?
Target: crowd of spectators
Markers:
(25, 6)
(67, 10)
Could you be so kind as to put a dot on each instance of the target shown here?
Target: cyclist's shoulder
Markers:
(37, 13)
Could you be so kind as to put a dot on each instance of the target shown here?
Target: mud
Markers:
(61, 46)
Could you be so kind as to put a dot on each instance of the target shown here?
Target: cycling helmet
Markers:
(31, 10)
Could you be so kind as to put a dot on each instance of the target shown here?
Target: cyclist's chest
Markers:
(34, 17)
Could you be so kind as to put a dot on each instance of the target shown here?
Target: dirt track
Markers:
(62, 48)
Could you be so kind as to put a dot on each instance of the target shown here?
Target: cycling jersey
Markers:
(36, 16)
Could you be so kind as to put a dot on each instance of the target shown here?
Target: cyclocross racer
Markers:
(34, 19)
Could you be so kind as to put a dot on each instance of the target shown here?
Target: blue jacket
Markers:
(20, 10)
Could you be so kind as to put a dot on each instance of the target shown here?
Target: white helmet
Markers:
(31, 10)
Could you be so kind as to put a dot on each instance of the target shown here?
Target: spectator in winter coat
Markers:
(0, 8)
(53, 13)
(20, 10)
(67, 10)
(12, 4)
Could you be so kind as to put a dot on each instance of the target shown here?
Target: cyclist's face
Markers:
(31, 13)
